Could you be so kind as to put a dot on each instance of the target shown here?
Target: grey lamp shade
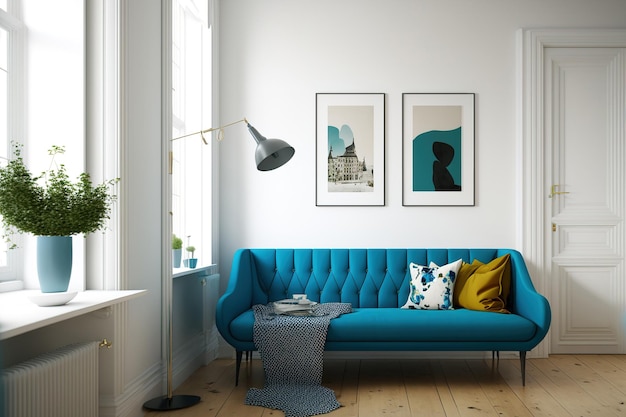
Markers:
(270, 153)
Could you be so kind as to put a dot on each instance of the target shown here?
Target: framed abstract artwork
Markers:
(437, 149)
(350, 149)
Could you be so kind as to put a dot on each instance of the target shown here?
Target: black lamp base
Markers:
(175, 403)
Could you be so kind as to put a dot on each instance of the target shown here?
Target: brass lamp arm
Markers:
(220, 134)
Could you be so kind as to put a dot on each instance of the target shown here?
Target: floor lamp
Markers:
(270, 154)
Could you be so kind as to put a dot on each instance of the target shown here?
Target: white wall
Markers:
(276, 54)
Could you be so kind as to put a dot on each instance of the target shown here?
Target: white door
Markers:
(584, 182)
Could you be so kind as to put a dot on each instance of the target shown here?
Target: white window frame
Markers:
(10, 274)
(104, 97)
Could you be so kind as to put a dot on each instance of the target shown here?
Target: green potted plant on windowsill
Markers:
(53, 208)
(193, 262)
(177, 251)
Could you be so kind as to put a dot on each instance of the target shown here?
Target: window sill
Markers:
(8, 286)
(19, 315)
(202, 270)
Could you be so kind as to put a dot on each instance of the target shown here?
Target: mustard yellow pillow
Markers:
(464, 274)
(505, 282)
(485, 287)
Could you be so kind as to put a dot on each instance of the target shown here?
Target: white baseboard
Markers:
(130, 402)
(212, 345)
(187, 359)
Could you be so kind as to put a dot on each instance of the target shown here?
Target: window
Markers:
(4, 71)
(191, 112)
(4, 86)
(10, 88)
(35, 111)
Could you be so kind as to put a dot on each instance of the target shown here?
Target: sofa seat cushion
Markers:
(401, 325)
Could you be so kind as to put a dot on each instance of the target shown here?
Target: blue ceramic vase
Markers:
(177, 254)
(54, 262)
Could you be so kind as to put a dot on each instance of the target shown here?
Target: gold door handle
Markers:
(553, 191)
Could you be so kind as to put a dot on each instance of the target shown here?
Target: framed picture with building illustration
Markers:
(437, 149)
(350, 149)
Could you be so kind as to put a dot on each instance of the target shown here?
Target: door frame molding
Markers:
(531, 194)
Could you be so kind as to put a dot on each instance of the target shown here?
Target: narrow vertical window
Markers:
(9, 113)
(191, 112)
(4, 99)
(35, 111)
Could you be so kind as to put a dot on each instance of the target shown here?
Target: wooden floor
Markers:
(562, 385)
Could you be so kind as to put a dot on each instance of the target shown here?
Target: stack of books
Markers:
(291, 306)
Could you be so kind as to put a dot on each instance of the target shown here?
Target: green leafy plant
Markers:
(191, 249)
(50, 204)
(177, 243)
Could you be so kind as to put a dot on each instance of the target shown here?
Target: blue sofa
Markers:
(376, 283)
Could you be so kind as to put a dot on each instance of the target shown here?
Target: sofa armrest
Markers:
(238, 295)
(526, 301)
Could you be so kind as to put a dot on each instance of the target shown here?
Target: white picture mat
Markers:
(376, 101)
(465, 197)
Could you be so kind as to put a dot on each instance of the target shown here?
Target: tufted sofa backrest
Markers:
(363, 277)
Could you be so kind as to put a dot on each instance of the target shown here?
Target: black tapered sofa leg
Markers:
(238, 366)
(522, 361)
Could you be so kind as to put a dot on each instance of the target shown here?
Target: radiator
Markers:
(60, 383)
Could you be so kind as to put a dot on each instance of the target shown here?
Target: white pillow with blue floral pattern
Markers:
(432, 286)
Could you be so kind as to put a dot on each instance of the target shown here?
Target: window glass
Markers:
(37, 116)
(191, 112)
(4, 39)
(4, 47)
